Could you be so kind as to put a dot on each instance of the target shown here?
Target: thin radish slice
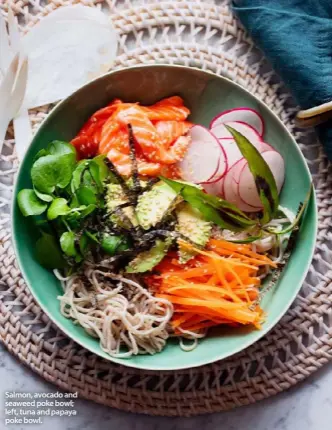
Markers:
(236, 176)
(212, 179)
(204, 157)
(243, 114)
(246, 130)
(214, 188)
(231, 193)
(247, 190)
(233, 153)
(231, 150)
(222, 168)
(266, 147)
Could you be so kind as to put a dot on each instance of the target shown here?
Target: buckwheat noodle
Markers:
(118, 311)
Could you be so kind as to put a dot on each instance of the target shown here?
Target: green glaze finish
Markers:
(206, 95)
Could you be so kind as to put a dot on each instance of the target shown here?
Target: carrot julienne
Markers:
(220, 285)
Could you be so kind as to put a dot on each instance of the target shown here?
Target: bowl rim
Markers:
(207, 360)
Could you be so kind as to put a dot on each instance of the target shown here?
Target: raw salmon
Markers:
(173, 100)
(159, 131)
(169, 131)
(124, 166)
(167, 113)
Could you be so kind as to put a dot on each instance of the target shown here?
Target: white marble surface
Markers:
(308, 406)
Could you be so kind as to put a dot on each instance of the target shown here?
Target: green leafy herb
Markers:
(84, 243)
(264, 179)
(228, 209)
(298, 217)
(209, 212)
(48, 252)
(74, 203)
(110, 243)
(92, 236)
(86, 196)
(41, 153)
(51, 171)
(45, 197)
(214, 209)
(58, 147)
(87, 210)
(58, 207)
(99, 171)
(67, 243)
(29, 203)
(77, 174)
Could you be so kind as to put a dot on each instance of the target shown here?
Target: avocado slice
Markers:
(147, 260)
(155, 204)
(192, 225)
(115, 197)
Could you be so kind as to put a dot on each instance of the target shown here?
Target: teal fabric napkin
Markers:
(296, 37)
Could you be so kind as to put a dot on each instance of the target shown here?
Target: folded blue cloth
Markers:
(296, 37)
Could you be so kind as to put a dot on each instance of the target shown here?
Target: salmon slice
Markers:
(169, 131)
(107, 111)
(123, 164)
(167, 113)
(144, 131)
(173, 100)
(147, 168)
(171, 171)
(111, 135)
(147, 137)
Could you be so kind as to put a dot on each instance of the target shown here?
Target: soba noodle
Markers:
(118, 311)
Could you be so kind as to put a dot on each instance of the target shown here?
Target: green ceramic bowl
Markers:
(206, 95)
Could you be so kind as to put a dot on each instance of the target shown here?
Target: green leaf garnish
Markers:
(77, 174)
(110, 243)
(99, 171)
(298, 217)
(84, 243)
(229, 210)
(45, 197)
(264, 179)
(48, 252)
(67, 243)
(41, 153)
(58, 207)
(51, 171)
(214, 209)
(87, 210)
(58, 147)
(29, 203)
(86, 196)
(92, 236)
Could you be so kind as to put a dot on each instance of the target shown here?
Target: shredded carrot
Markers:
(218, 286)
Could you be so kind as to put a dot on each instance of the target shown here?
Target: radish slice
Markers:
(212, 179)
(222, 168)
(246, 130)
(214, 188)
(246, 185)
(233, 153)
(266, 147)
(243, 114)
(231, 193)
(204, 157)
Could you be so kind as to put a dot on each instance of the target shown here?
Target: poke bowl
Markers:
(164, 217)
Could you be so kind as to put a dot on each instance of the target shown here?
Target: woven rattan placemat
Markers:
(206, 35)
